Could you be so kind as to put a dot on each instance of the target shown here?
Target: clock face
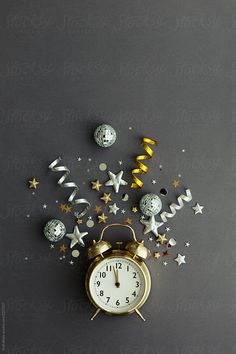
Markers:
(117, 285)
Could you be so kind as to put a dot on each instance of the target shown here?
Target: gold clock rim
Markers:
(126, 255)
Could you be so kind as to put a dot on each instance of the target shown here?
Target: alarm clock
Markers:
(118, 281)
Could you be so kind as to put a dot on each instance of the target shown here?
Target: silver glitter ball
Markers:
(150, 204)
(105, 135)
(54, 230)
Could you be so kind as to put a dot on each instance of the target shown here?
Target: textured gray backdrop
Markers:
(167, 69)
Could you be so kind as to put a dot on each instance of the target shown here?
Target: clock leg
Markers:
(140, 315)
(96, 313)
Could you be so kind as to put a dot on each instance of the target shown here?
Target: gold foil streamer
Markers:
(86, 205)
(141, 168)
(173, 207)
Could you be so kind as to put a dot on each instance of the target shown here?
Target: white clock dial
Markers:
(117, 285)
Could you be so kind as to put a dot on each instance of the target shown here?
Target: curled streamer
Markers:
(54, 168)
(141, 168)
(173, 207)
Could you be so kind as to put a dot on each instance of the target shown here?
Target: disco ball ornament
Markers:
(105, 135)
(150, 204)
(54, 230)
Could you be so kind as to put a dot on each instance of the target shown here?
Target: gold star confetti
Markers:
(175, 183)
(96, 185)
(134, 209)
(63, 248)
(79, 221)
(162, 238)
(33, 183)
(102, 218)
(98, 209)
(156, 255)
(106, 197)
(128, 221)
(62, 207)
(68, 209)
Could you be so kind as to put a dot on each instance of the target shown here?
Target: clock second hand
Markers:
(117, 283)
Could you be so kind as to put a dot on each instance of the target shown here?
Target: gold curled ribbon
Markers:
(141, 168)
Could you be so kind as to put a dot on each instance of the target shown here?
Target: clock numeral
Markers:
(119, 265)
(108, 268)
(137, 284)
(127, 300)
(101, 292)
(134, 275)
(102, 275)
(108, 299)
(98, 283)
(134, 293)
(117, 302)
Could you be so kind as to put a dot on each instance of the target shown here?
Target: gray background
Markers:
(167, 69)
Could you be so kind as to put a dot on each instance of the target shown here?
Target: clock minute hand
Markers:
(117, 283)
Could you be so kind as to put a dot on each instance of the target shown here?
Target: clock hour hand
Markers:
(117, 283)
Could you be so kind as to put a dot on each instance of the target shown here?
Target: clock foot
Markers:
(140, 315)
(96, 313)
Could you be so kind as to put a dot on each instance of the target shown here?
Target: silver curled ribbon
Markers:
(173, 207)
(54, 168)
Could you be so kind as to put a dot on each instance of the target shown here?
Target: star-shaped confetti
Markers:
(123, 211)
(102, 218)
(67, 209)
(180, 259)
(187, 244)
(96, 185)
(128, 221)
(106, 197)
(51, 246)
(165, 263)
(151, 225)
(134, 210)
(116, 181)
(79, 221)
(113, 208)
(154, 181)
(62, 207)
(33, 183)
(162, 238)
(45, 206)
(76, 237)
(175, 183)
(198, 208)
(71, 262)
(157, 255)
(63, 248)
(98, 209)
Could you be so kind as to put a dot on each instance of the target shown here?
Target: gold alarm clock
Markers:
(118, 281)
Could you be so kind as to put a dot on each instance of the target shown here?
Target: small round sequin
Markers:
(75, 253)
(90, 223)
(102, 166)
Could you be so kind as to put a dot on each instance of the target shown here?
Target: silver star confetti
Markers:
(154, 181)
(187, 244)
(180, 259)
(123, 211)
(197, 209)
(76, 237)
(116, 181)
(151, 225)
(113, 208)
